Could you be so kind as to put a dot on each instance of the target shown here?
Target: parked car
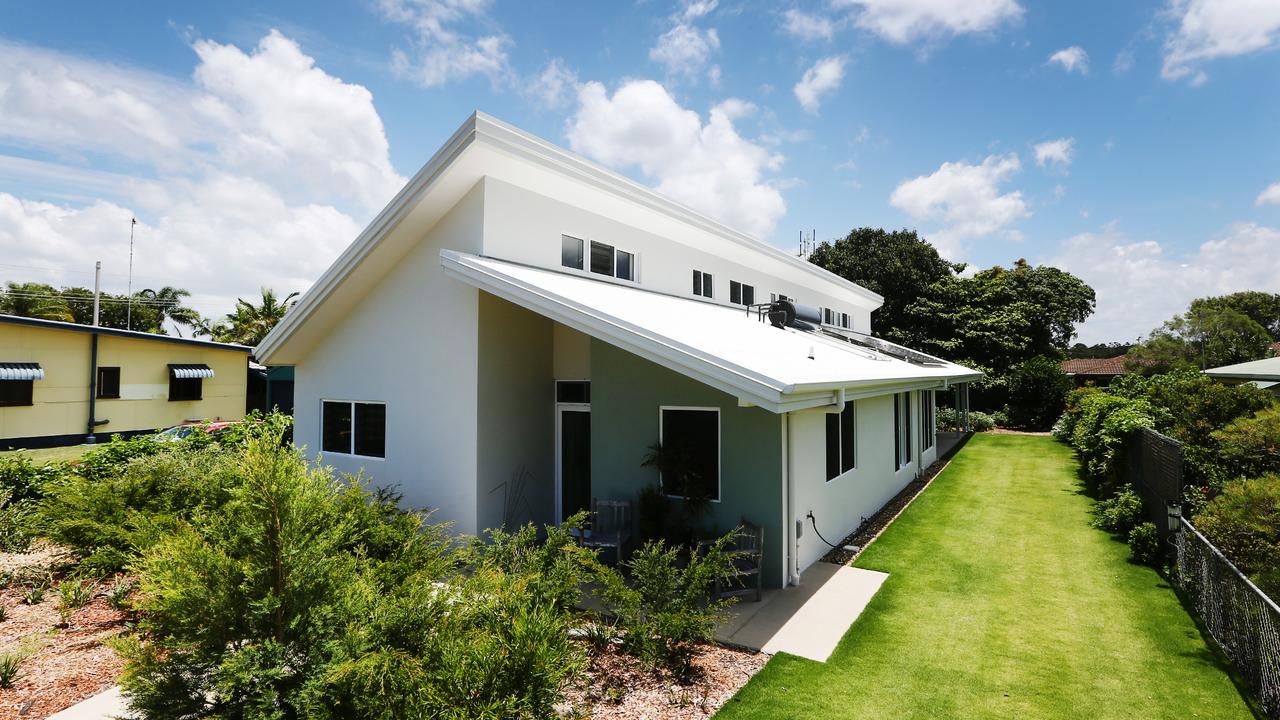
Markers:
(179, 432)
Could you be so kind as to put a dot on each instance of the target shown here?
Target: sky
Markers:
(1133, 143)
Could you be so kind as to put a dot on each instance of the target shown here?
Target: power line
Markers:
(105, 298)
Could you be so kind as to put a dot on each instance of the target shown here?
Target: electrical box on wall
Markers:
(799, 529)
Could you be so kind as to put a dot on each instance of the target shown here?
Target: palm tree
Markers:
(34, 300)
(250, 323)
(167, 305)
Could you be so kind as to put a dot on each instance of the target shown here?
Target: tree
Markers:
(34, 300)
(1209, 334)
(250, 323)
(166, 304)
(1037, 392)
(1260, 307)
(899, 265)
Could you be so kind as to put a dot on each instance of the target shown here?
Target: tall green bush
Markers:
(1250, 446)
(1243, 521)
(1037, 393)
(1103, 423)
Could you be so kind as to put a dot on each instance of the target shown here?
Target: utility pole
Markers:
(128, 313)
(97, 285)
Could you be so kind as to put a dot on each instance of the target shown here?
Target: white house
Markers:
(509, 336)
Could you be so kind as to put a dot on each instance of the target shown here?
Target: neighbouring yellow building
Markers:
(61, 382)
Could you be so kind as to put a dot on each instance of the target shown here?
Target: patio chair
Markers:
(610, 526)
(748, 558)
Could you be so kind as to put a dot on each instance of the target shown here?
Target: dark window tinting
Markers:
(336, 427)
(702, 283)
(735, 292)
(573, 391)
(626, 265)
(371, 429)
(694, 434)
(185, 388)
(108, 382)
(570, 252)
(748, 295)
(601, 258)
(841, 441)
(14, 393)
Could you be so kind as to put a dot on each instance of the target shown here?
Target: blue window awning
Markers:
(21, 371)
(189, 371)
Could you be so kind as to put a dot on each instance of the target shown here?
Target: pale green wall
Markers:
(626, 392)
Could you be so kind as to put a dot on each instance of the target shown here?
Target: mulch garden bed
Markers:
(617, 687)
(63, 665)
(874, 525)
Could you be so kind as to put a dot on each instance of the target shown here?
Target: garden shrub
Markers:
(1119, 514)
(1037, 393)
(667, 607)
(15, 523)
(556, 566)
(980, 421)
(24, 479)
(306, 596)
(1103, 424)
(1243, 521)
(947, 419)
(1250, 446)
(1144, 544)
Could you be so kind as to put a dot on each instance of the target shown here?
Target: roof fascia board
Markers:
(391, 215)
(116, 332)
(517, 141)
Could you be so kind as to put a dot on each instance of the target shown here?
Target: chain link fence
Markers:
(1242, 620)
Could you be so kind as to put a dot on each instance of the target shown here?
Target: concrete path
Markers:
(103, 706)
(807, 620)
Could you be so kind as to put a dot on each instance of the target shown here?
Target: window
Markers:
(571, 252)
(844, 320)
(186, 388)
(702, 284)
(901, 430)
(601, 258)
(828, 316)
(692, 434)
(354, 428)
(15, 393)
(841, 441)
(573, 391)
(108, 382)
(626, 266)
(928, 425)
(741, 293)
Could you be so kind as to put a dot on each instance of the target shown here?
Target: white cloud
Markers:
(966, 199)
(1140, 284)
(219, 167)
(823, 78)
(807, 26)
(1270, 195)
(1209, 29)
(685, 49)
(1072, 59)
(1057, 153)
(708, 166)
(694, 9)
(554, 86)
(903, 21)
(442, 52)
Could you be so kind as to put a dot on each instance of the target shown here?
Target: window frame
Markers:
(99, 384)
(704, 284)
(581, 251)
(26, 399)
(902, 446)
(745, 294)
(719, 446)
(928, 420)
(842, 468)
(590, 255)
(352, 444)
(176, 382)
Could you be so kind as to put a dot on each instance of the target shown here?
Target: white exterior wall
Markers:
(839, 505)
(411, 342)
(525, 227)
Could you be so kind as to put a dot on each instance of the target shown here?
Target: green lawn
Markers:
(43, 455)
(1002, 602)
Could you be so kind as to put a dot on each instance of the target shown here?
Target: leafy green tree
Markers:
(1244, 522)
(34, 300)
(1037, 392)
(248, 324)
(1209, 334)
(899, 265)
(1260, 307)
(1250, 446)
(165, 304)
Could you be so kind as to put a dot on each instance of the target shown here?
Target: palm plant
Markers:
(34, 300)
(250, 323)
(167, 305)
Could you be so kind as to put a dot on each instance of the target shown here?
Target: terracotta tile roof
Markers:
(1095, 366)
